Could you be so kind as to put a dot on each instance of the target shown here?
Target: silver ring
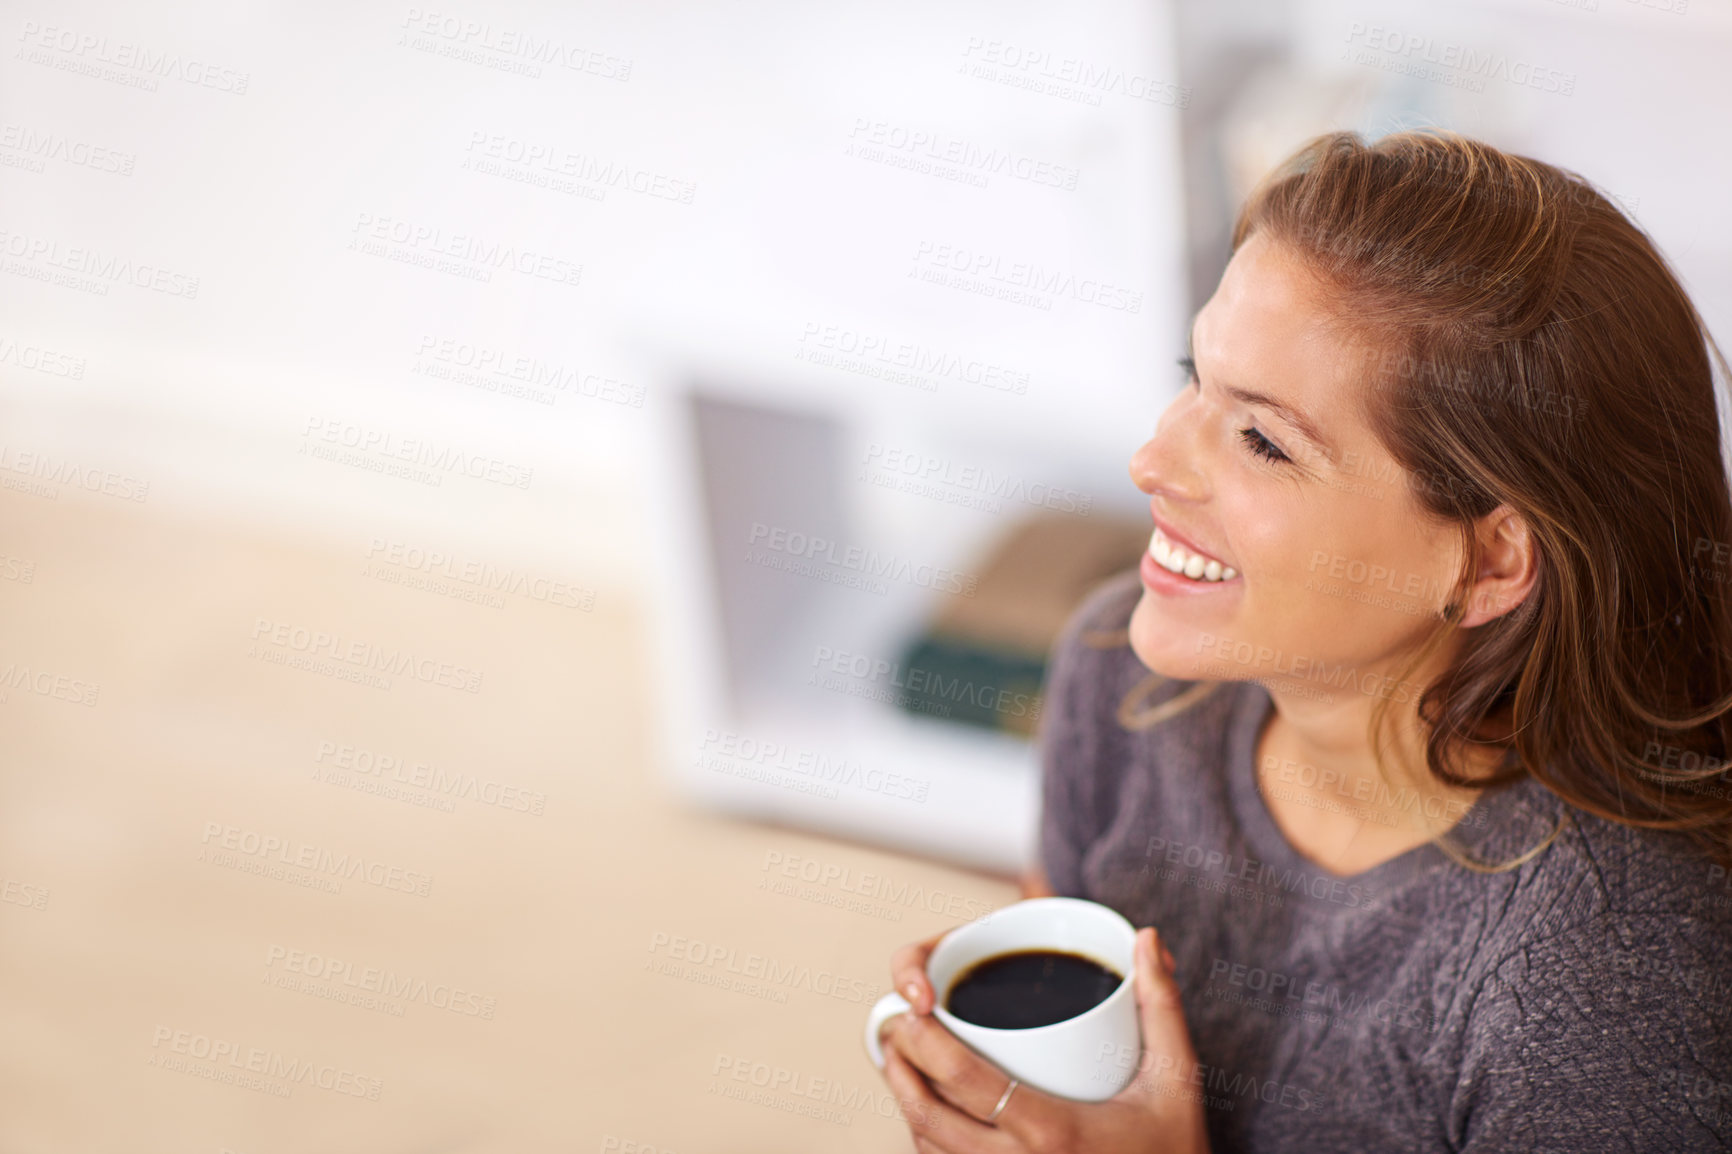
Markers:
(999, 1109)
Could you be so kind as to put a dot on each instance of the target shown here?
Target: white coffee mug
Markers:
(1087, 1058)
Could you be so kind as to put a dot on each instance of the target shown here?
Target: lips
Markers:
(1186, 560)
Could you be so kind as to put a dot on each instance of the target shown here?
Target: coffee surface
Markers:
(1023, 989)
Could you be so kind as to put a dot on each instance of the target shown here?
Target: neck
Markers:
(1318, 751)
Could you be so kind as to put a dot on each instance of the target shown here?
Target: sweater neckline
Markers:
(1251, 714)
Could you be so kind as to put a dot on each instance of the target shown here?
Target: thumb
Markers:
(1168, 1055)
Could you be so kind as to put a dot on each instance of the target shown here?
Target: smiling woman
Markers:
(1511, 360)
(1409, 735)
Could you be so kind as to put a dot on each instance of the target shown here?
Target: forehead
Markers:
(1273, 327)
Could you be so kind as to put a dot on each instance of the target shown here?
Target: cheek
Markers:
(1299, 559)
(1274, 541)
(1372, 581)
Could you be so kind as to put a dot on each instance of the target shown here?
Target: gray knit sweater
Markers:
(1580, 1002)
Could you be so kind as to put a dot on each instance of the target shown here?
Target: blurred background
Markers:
(529, 532)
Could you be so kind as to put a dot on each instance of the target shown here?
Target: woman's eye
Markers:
(1261, 445)
(1255, 441)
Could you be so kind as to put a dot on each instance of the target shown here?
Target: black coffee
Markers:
(1029, 988)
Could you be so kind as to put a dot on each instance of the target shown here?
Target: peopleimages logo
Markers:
(1278, 988)
(364, 656)
(874, 354)
(39, 359)
(868, 562)
(493, 369)
(531, 161)
(216, 1053)
(959, 266)
(886, 142)
(1218, 1078)
(46, 683)
(519, 45)
(106, 268)
(870, 884)
(1258, 873)
(1068, 76)
(387, 983)
(926, 469)
(53, 470)
(23, 894)
(481, 575)
(1466, 64)
(38, 146)
(467, 253)
(1263, 661)
(934, 686)
(758, 974)
(85, 51)
(315, 859)
(770, 756)
(386, 446)
(382, 767)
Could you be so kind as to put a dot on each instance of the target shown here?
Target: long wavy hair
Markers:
(1534, 349)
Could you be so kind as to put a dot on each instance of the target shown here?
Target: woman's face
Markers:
(1263, 464)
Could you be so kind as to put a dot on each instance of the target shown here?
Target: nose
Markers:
(1166, 464)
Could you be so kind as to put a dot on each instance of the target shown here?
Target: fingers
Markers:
(1165, 1085)
(965, 1088)
(908, 974)
(1157, 986)
(937, 1125)
(956, 1073)
(920, 1109)
(1168, 1056)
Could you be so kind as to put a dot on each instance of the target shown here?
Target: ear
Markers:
(1508, 566)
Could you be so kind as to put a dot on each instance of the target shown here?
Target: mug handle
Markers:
(886, 1008)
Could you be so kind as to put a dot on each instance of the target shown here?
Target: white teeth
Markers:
(1177, 559)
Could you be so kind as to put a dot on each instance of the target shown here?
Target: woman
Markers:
(1405, 745)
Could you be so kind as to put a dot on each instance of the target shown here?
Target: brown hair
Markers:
(1534, 349)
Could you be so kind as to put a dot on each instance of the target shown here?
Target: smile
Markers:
(1187, 562)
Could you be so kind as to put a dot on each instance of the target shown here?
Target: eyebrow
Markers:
(1303, 424)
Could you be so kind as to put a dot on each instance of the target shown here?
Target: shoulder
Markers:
(1578, 870)
(1629, 919)
(1612, 1001)
(1608, 900)
(1617, 1026)
(1609, 871)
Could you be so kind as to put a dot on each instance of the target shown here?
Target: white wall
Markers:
(1633, 94)
(261, 142)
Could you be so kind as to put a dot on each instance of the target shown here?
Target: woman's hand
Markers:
(946, 1089)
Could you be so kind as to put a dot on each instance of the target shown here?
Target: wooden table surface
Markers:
(253, 904)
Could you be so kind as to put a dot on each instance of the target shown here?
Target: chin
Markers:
(1161, 645)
